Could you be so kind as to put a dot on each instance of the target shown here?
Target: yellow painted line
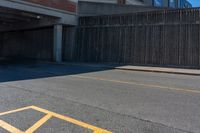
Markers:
(43, 120)
(98, 132)
(9, 128)
(14, 111)
(71, 120)
(138, 84)
(38, 124)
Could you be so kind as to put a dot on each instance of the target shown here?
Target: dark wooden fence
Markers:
(164, 38)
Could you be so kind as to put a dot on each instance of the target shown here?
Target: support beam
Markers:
(57, 51)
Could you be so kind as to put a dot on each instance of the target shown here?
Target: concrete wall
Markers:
(100, 1)
(128, 2)
(165, 3)
(92, 8)
(134, 2)
(148, 2)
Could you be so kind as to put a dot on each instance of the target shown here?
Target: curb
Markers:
(125, 69)
(157, 71)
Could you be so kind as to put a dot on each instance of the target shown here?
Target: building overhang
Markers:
(12, 19)
(63, 16)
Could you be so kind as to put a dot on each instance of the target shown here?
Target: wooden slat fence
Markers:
(161, 38)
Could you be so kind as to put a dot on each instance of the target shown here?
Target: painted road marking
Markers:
(43, 120)
(13, 111)
(138, 84)
(39, 123)
(9, 128)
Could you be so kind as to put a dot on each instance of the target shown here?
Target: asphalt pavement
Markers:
(49, 98)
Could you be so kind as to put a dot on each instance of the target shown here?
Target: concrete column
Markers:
(57, 51)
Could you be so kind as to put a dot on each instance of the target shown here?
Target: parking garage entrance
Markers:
(27, 35)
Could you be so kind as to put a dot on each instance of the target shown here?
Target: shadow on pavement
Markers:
(15, 70)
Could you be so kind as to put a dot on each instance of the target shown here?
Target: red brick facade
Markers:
(58, 4)
(121, 1)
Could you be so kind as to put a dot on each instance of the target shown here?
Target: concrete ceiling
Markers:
(11, 19)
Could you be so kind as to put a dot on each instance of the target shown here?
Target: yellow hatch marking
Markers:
(43, 120)
(9, 128)
(13, 111)
(71, 120)
(38, 124)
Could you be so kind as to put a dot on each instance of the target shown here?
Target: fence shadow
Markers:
(15, 70)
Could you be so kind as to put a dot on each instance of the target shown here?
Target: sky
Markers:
(195, 3)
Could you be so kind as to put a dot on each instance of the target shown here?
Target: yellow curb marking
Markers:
(138, 84)
(43, 120)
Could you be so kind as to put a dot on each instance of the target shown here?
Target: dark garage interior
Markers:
(25, 35)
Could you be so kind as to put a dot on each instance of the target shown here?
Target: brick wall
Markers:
(121, 1)
(58, 4)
